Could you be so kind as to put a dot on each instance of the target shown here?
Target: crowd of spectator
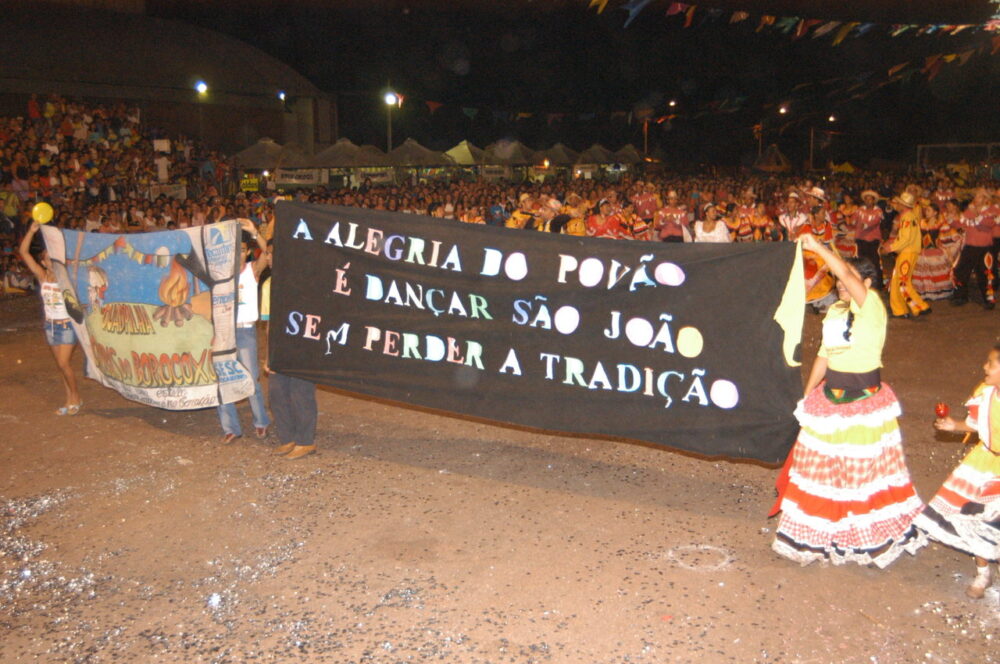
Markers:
(102, 170)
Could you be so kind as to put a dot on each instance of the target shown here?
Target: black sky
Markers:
(567, 59)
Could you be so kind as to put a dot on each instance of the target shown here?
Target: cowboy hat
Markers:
(905, 199)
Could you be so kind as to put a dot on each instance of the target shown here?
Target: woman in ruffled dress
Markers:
(845, 493)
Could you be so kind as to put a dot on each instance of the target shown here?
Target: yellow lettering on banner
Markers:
(124, 318)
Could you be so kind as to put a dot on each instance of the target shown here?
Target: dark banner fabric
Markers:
(676, 345)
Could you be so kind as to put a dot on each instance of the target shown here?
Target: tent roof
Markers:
(292, 155)
(262, 154)
(628, 155)
(369, 155)
(772, 160)
(342, 154)
(466, 154)
(596, 154)
(411, 153)
(559, 155)
(509, 153)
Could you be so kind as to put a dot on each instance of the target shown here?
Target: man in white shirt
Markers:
(247, 314)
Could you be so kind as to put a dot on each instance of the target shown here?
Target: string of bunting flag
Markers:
(837, 90)
(843, 89)
(161, 258)
(797, 26)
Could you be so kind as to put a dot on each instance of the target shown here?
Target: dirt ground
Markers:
(129, 534)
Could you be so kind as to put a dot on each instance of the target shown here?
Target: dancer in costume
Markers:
(671, 220)
(978, 222)
(868, 232)
(951, 233)
(932, 273)
(965, 512)
(904, 300)
(820, 291)
(845, 494)
(712, 229)
(843, 227)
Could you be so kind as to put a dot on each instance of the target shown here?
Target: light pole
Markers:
(391, 99)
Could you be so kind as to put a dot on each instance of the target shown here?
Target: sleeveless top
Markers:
(52, 299)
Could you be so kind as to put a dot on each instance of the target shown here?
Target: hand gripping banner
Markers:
(686, 346)
(155, 312)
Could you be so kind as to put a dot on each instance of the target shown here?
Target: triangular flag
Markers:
(633, 7)
(470, 112)
(804, 26)
(738, 16)
(964, 56)
(689, 16)
(432, 106)
(843, 32)
(765, 20)
(825, 28)
(787, 23)
(930, 62)
(676, 8)
(600, 4)
(935, 69)
(895, 69)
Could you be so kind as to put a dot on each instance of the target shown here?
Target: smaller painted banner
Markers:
(155, 312)
(687, 346)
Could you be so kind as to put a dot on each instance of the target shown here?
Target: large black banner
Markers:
(677, 345)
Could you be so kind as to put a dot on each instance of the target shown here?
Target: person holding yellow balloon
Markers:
(58, 327)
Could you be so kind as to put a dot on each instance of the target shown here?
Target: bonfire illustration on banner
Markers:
(141, 307)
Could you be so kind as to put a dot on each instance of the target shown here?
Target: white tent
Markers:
(596, 154)
(559, 155)
(342, 154)
(293, 156)
(262, 154)
(510, 153)
(411, 153)
(628, 155)
(369, 155)
(466, 154)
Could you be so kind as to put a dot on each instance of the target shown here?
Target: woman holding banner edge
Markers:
(845, 493)
(58, 327)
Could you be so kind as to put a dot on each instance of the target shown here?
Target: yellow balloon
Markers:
(42, 213)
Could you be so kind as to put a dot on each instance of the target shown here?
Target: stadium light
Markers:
(391, 99)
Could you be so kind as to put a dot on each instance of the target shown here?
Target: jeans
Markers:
(293, 402)
(246, 353)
